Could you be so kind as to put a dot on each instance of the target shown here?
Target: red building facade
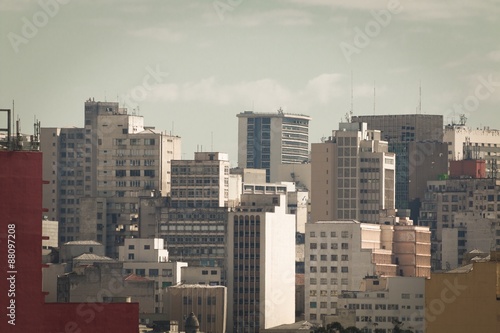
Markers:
(22, 300)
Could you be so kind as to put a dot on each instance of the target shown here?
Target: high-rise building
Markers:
(97, 173)
(260, 264)
(193, 221)
(267, 140)
(417, 141)
(352, 175)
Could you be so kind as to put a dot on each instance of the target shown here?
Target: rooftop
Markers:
(83, 242)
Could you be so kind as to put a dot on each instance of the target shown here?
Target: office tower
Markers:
(267, 140)
(352, 175)
(261, 264)
(194, 221)
(98, 173)
(417, 141)
(467, 143)
(202, 182)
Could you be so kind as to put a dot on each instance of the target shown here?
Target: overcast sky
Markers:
(191, 66)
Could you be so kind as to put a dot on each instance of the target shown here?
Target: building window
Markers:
(153, 272)
(405, 296)
(131, 247)
(345, 269)
(312, 305)
(344, 257)
(323, 246)
(147, 247)
(131, 256)
(345, 246)
(204, 272)
(333, 257)
(313, 246)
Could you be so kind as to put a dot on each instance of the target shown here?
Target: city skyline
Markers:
(211, 60)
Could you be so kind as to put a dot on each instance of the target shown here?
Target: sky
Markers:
(189, 67)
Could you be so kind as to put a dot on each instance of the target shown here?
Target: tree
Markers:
(336, 327)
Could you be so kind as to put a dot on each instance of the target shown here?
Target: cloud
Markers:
(264, 93)
(423, 10)
(278, 17)
(494, 55)
(160, 34)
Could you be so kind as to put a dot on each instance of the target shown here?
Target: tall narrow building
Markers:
(352, 175)
(97, 173)
(267, 140)
(261, 264)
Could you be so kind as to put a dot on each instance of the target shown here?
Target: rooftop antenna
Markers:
(419, 108)
(105, 96)
(348, 115)
(374, 97)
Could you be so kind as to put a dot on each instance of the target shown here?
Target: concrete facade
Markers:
(353, 175)
(105, 281)
(458, 204)
(381, 302)
(339, 254)
(260, 263)
(107, 164)
(209, 303)
(149, 258)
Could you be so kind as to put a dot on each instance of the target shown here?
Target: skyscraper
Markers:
(261, 264)
(353, 175)
(417, 141)
(267, 140)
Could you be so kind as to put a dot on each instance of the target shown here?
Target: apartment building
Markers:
(340, 254)
(384, 302)
(463, 210)
(353, 175)
(97, 173)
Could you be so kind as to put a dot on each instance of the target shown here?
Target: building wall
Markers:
(21, 204)
(261, 271)
(211, 276)
(50, 229)
(400, 299)
(479, 143)
(266, 140)
(208, 303)
(353, 175)
(451, 295)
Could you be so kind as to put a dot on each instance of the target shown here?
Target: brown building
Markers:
(468, 169)
(466, 299)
